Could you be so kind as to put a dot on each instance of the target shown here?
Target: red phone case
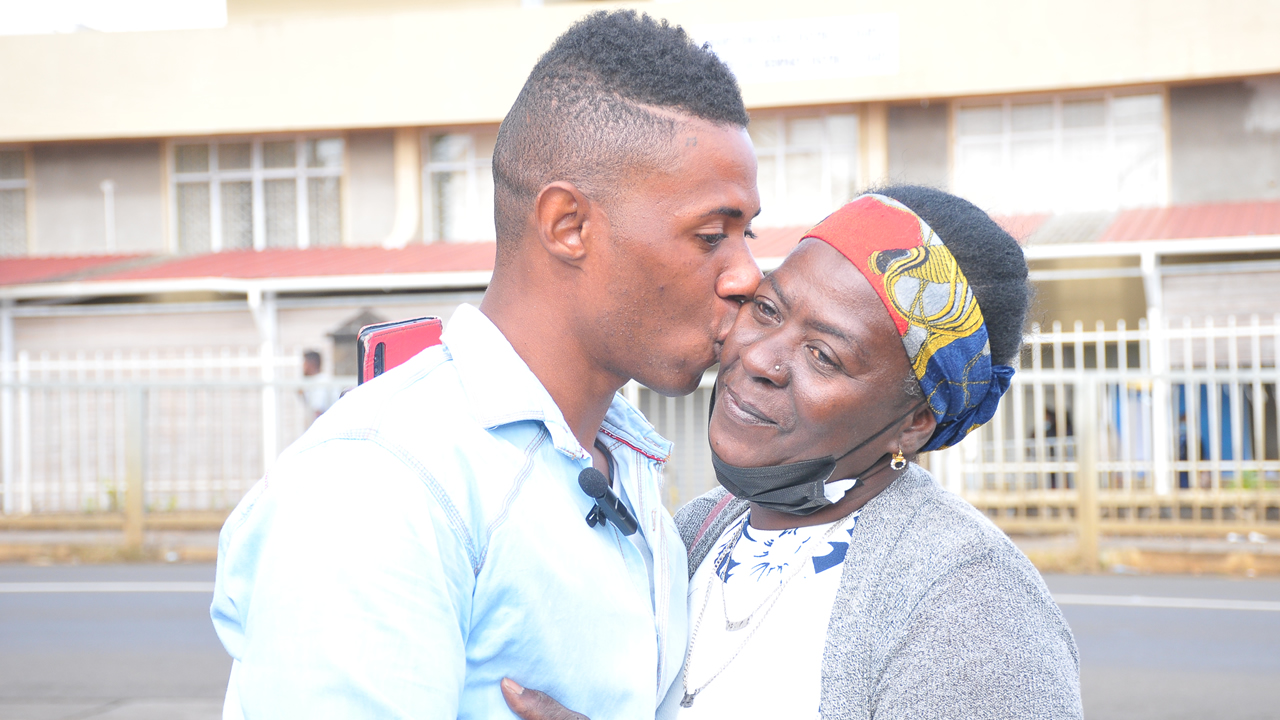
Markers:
(385, 345)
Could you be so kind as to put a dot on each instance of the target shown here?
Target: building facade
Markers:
(343, 124)
(257, 183)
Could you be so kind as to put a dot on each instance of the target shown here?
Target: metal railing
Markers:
(132, 439)
(1119, 431)
(1170, 431)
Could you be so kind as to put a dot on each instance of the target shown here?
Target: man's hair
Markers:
(311, 356)
(990, 258)
(584, 114)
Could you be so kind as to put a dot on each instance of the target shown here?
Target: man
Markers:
(320, 395)
(426, 538)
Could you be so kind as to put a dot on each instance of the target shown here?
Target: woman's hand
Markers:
(534, 705)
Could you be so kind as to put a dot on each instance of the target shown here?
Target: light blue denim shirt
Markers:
(425, 538)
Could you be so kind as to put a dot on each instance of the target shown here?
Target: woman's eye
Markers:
(821, 357)
(765, 309)
(713, 238)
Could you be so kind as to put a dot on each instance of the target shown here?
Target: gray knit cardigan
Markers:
(938, 614)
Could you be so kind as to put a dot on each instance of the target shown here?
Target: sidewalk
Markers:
(1158, 555)
(106, 546)
(1050, 553)
(130, 709)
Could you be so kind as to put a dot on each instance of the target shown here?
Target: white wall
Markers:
(444, 64)
(1221, 295)
(299, 327)
(70, 207)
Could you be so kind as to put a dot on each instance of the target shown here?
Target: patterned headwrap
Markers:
(931, 304)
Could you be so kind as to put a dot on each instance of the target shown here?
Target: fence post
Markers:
(24, 433)
(264, 309)
(134, 458)
(8, 444)
(1087, 471)
(1158, 354)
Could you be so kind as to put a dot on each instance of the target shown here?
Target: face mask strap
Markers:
(862, 475)
(795, 488)
(711, 410)
(882, 431)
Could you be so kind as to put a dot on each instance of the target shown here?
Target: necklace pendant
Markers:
(731, 625)
(688, 699)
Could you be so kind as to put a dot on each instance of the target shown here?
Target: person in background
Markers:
(1055, 447)
(831, 576)
(318, 395)
(427, 537)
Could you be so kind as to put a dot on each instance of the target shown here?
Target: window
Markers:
(458, 184)
(808, 165)
(273, 192)
(13, 202)
(1062, 154)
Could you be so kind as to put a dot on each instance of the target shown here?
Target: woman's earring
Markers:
(898, 462)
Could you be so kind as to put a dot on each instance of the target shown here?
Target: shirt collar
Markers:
(628, 426)
(502, 389)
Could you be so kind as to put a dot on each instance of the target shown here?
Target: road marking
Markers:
(1167, 602)
(106, 587)
(1061, 599)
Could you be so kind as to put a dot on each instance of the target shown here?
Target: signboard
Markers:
(817, 48)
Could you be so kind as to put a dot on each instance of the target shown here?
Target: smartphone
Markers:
(385, 345)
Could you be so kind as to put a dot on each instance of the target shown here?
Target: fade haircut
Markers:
(590, 112)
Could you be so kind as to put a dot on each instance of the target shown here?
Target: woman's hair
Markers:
(990, 258)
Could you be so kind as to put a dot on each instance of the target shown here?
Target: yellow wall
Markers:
(289, 65)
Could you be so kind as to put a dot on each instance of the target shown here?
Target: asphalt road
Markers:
(118, 655)
(153, 655)
(1170, 663)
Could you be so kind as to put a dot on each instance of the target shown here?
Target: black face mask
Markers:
(796, 488)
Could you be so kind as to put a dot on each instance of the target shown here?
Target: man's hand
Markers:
(534, 705)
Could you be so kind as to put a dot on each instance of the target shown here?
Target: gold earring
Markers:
(898, 462)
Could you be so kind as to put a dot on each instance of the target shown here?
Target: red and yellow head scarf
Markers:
(930, 303)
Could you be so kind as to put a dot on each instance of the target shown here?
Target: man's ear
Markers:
(562, 215)
(917, 428)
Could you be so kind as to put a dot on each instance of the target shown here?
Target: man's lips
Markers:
(742, 410)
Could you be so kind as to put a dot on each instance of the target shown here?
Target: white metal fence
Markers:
(1118, 431)
(1107, 430)
(209, 419)
(1146, 431)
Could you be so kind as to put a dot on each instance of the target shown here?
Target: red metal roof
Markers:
(316, 262)
(1195, 221)
(16, 271)
(1192, 221)
(277, 263)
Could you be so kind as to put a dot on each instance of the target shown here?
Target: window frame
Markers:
(780, 151)
(256, 174)
(1057, 134)
(469, 166)
(27, 185)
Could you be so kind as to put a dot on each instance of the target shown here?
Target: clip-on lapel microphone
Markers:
(608, 505)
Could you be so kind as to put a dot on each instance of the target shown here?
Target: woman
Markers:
(876, 340)
(831, 576)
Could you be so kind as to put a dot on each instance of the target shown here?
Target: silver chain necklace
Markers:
(734, 625)
(767, 605)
